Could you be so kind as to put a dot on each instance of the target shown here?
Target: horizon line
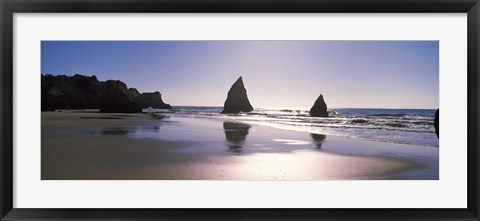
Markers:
(312, 105)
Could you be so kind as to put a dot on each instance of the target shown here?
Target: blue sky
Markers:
(363, 74)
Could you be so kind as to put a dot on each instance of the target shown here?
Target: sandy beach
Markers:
(82, 145)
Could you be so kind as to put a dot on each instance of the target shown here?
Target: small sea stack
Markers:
(115, 99)
(319, 108)
(237, 100)
(153, 100)
(436, 123)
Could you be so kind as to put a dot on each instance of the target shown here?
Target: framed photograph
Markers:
(255, 110)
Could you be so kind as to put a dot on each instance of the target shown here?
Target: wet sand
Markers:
(80, 145)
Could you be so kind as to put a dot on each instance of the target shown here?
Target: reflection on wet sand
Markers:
(115, 131)
(131, 131)
(318, 139)
(235, 133)
(103, 118)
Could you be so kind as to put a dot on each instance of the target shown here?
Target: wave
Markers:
(387, 125)
(359, 121)
(395, 124)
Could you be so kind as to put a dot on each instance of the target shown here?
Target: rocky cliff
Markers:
(76, 92)
(115, 99)
(83, 92)
(154, 100)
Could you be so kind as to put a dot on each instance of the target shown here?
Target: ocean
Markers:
(402, 126)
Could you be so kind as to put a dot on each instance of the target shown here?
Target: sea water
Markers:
(403, 126)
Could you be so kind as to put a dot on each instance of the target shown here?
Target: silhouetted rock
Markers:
(132, 93)
(319, 109)
(436, 122)
(115, 99)
(154, 100)
(237, 100)
(83, 92)
(76, 92)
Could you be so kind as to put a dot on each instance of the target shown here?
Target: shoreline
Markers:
(104, 146)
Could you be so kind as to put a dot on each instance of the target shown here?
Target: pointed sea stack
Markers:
(319, 109)
(436, 122)
(237, 100)
(115, 99)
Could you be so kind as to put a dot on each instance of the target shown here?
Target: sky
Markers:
(349, 74)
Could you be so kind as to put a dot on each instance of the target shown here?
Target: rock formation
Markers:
(83, 92)
(132, 93)
(318, 139)
(153, 100)
(237, 100)
(436, 122)
(319, 109)
(76, 92)
(115, 99)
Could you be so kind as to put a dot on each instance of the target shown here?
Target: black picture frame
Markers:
(9, 7)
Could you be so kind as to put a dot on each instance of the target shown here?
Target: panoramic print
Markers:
(239, 110)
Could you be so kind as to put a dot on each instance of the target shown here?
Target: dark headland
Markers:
(83, 92)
